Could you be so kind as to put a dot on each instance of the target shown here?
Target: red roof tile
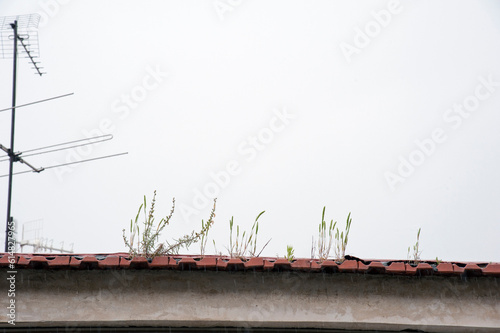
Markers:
(4, 261)
(374, 267)
(59, 262)
(301, 264)
(254, 262)
(139, 263)
(445, 268)
(316, 266)
(328, 265)
(492, 270)
(110, 262)
(396, 268)
(233, 264)
(282, 264)
(473, 269)
(159, 262)
(349, 266)
(189, 262)
(207, 263)
(458, 269)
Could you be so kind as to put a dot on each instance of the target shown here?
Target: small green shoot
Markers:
(325, 237)
(247, 243)
(327, 234)
(290, 253)
(342, 239)
(415, 254)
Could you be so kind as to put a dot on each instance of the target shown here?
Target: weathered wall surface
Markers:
(257, 299)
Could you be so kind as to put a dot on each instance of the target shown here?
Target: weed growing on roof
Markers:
(415, 254)
(247, 244)
(326, 238)
(290, 253)
(341, 240)
(204, 236)
(147, 242)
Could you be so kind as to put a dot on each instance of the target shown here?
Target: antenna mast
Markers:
(23, 29)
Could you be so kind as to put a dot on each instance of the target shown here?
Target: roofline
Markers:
(122, 260)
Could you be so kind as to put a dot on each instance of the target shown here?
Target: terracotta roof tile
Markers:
(316, 266)
(4, 260)
(424, 268)
(89, 262)
(23, 261)
(38, 262)
(445, 268)
(301, 264)
(159, 262)
(59, 262)
(138, 263)
(396, 268)
(124, 262)
(458, 269)
(254, 263)
(233, 264)
(268, 264)
(328, 266)
(349, 266)
(410, 269)
(207, 263)
(282, 264)
(492, 270)
(473, 270)
(374, 267)
(189, 262)
(109, 262)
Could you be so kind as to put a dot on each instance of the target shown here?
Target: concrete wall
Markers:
(253, 299)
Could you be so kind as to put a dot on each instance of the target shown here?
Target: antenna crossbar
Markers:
(66, 164)
(92, 140)
(36, 102)
(16, 158)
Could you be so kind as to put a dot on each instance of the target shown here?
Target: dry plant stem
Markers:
(204, 236)
(313, 247)
(147, 245)
(416, 251)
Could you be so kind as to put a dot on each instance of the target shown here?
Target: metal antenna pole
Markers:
(11, 150)
(24, 27)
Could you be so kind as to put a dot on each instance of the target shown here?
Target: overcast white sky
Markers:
(383, 109)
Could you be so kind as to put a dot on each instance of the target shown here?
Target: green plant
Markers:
(247, 244)
(415, 254)
(206, 226)
(147, 243)
(342, 239)
(325, 237)
(329, 232)
(290, 253)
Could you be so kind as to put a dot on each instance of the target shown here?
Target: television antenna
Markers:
(22, 30)
(32, 236)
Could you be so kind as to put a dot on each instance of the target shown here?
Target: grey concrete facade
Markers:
(72, 298)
